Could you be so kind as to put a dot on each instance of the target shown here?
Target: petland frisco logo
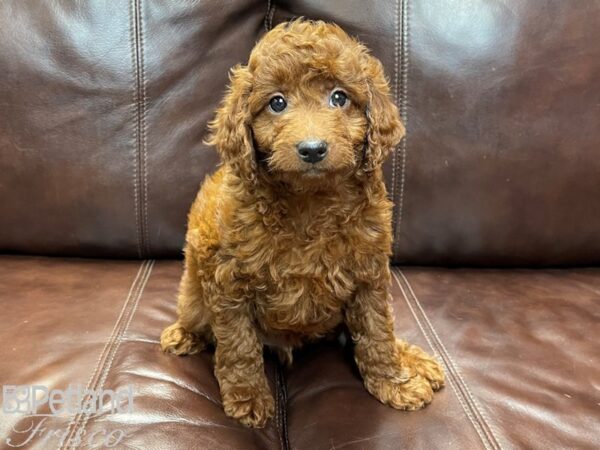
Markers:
(38, 403)
(29, 400)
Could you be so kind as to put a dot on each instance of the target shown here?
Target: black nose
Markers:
(312, 150)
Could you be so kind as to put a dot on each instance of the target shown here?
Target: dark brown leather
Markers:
(96, 323)
(519, 348)
(104, 109)
(102, 116)
(502, 146)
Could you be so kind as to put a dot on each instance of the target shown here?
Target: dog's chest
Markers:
(304, 278)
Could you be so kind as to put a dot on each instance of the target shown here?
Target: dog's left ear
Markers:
(230, 131)
(385, 129)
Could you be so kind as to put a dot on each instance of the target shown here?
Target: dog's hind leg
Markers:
(191, 332)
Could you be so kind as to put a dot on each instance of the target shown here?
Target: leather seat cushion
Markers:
(518, 348)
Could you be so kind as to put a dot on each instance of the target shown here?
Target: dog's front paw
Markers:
(177, 340)
(409, 379)
(252, 407)
(409, 394)
(415, 360)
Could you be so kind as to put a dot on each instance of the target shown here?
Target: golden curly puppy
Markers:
(291, 237)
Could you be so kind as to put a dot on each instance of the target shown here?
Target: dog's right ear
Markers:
(230, 130)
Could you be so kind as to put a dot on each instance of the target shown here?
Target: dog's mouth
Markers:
(314, 172)
(302, 169)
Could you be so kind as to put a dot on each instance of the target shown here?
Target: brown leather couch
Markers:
(103, 107)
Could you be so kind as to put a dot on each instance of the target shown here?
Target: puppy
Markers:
(291, 237)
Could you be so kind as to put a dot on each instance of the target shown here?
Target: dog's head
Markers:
(311, 103)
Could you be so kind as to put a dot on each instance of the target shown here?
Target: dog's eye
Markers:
(338, 98)
(277, 104)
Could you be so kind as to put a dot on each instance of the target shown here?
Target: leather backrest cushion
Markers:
(503, 154)
(103, 108)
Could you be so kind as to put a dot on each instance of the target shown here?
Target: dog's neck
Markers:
(339, 195)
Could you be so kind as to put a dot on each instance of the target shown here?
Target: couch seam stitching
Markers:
(135, 108)
(104, 353)
(117, 345)
(143, 127)
(139, 94)
(396, 99)
(277, 424)
(450, 380)
(486, 421)
(268, 22)
(281, 407)
(403, 94)
(272, 16)
(286, 438)
(454, 370)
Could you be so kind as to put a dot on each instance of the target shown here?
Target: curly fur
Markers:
(279, 252)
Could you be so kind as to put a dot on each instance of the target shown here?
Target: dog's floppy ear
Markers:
(230, 130)
(385, 129)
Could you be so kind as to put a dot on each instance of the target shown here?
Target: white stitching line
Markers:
(403, 112)
(272, 15)
(489, 432)
(107, 368)
(396, 50)
(284, 411)
(450, 381)
(267, 15)
(105, 352)
(143, 128)
(266, 22)
(480, 410)
(108, 344)
(396, 63)
(279, 412)
(111, 349)
(134, 107)
(413, 313)
(276, 418)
